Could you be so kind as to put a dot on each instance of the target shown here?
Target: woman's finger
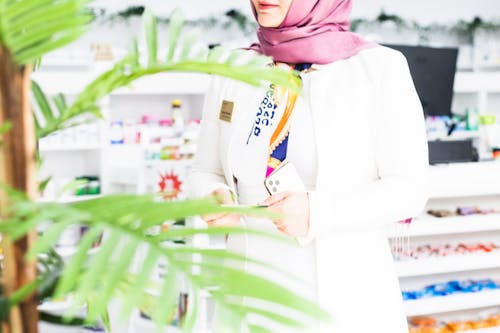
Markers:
(283, 229)
(277, 207)
(274, 199)
(220, 217)
(230, 220)
(211, 217)
(278, 223)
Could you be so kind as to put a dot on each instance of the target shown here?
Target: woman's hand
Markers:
(294, 207)
(224, 197)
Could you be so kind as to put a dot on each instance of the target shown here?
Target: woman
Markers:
(356, 137)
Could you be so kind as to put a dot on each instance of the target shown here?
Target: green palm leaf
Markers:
(126, 221)
(192, 313)
(176, 24)
(42, 103)
(31, 28)
(4, 128)
(151, 27)
(167, 298)
(110, 271)
(60, 102)
(142, 278)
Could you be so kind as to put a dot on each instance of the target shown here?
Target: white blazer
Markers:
(372, 172)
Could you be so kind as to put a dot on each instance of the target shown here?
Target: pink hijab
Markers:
(314, 31)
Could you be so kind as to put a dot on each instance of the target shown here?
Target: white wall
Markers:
(426, 11)
(191, 8)
(120, 34)
(423, 11)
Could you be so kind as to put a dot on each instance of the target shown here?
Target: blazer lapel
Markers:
(246, 102)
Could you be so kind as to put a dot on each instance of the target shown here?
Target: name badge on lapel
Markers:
(226, 111)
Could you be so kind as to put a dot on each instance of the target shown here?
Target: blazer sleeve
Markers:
(400, 191)
(207, 175)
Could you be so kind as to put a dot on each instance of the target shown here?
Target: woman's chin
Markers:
(268, 21)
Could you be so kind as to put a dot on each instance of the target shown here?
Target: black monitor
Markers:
(433, 71)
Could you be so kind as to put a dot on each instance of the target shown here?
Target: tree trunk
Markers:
(17, 170)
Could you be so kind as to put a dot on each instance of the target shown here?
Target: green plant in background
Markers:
(245, 24)
(233, 16)
(125, 221)
(468, 29)
(397, 20)
(462, 28)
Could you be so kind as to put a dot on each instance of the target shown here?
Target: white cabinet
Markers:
(121, 168)
(484, 87)
(454, 185)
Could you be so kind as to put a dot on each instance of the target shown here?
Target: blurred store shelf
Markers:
(70, 199)
(169, 163)
(429, 226)
(464, 179)
(71, 83)
(471, 82)
(484, 330)
(69, 148)
(454, 263)
(68, 251)
(451, 303)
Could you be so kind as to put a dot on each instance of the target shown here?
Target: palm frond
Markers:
(175, 29)
(44, 183)
(60, 102)
(50, 265)
(183, 55)
(31, 28)
(151, 26)
(4, 128)
(42, 102)
(53, 112)
(126, 223)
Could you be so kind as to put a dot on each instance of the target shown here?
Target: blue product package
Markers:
(428, 292)
(441, 289)
(408, 295)
(488, 284)
(470, 286)
(419, 294)
(116, 135)
(454, 285)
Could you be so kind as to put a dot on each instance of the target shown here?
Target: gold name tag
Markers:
(226, 111)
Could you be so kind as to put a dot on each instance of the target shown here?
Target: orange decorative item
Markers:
(170, 186)
(423, 321)
(432, 325)
(460, 326)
